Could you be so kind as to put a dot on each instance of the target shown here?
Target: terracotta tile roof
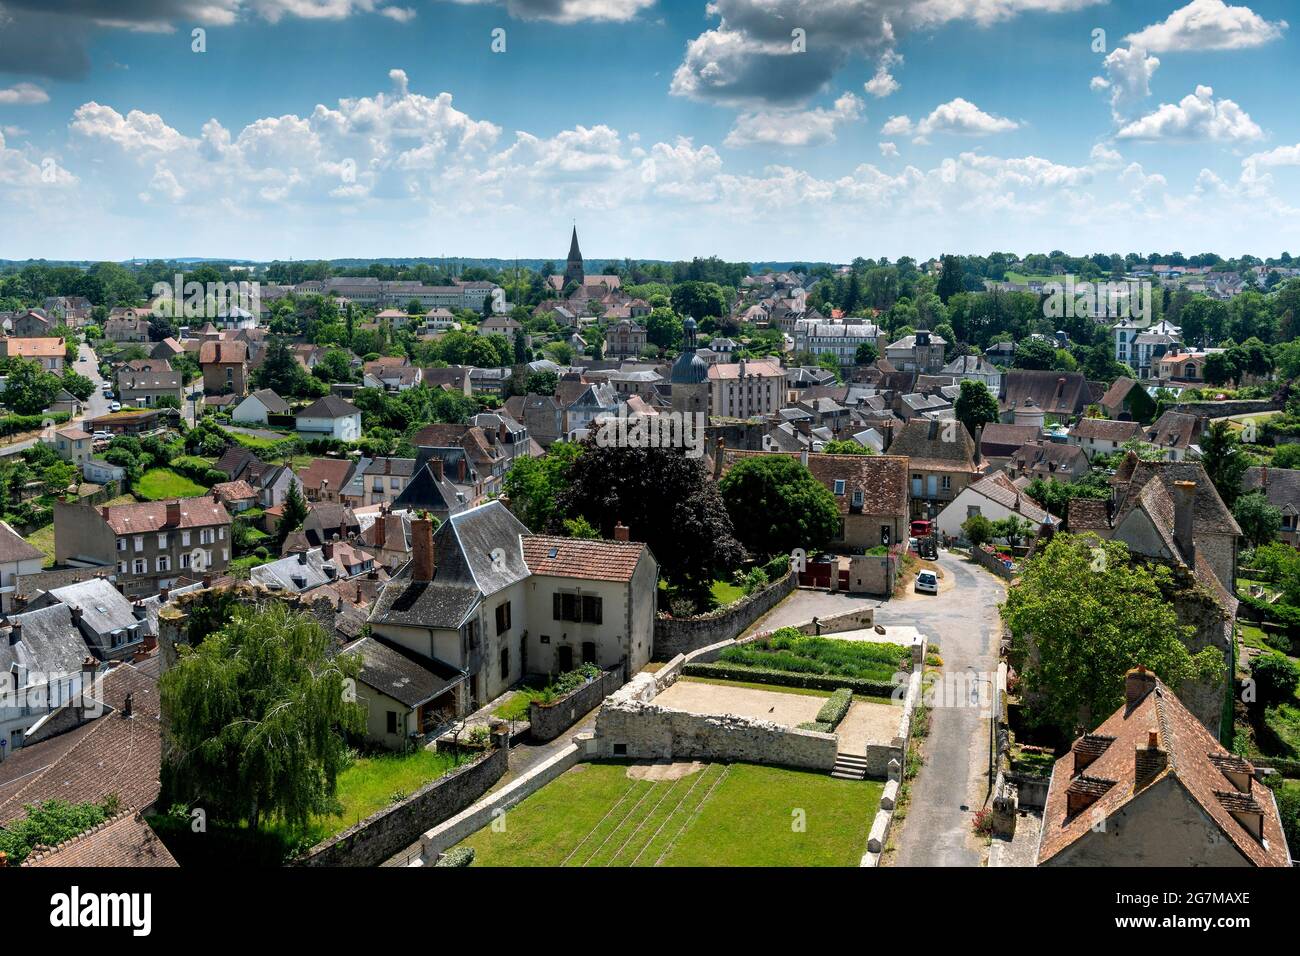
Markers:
(1056, 393)
(1174, 430)
(150, 516)
(221, 352)
(1118, 391)
(999, 440)
(318, 471)
(14, 548)
(1195, 761)
(125, 840)
(1212, 515)
(922, 441)
(579, 558)
(111, 755)
(45, 347)
(999, 487)
(1086, 514)
(233, 490)
(731, 370)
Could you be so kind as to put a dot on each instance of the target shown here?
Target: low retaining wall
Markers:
(1237, 406)
(991, 563)
(681, 635)
(394, 828)
(848, 621)
(639, 730)
(447, 834)
(549, 721)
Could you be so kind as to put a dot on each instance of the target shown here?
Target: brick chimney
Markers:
(621, 532)
(1185, 519)
(327, 550)
(460, 470)
(128, 705)
(381, 531)
(436, 464)
(424, 559)
(173, 513)
(1148, 761)
(1138, 682)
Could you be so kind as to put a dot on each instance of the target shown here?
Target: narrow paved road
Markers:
(954, 781)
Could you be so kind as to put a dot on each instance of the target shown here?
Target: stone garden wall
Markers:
(548, 721)
(394, 828)
(681, 635)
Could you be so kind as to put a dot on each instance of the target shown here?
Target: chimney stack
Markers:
(164, 594)
(173, 513)
(460, 469)
(621, 532)
(327, 550)
(138, 610)
(1138, 682)
(424, 560)
(1185, 519)
(436, 464)
(127, 705)
(76, 615)
(381, 531)
(803, 456)
(15, 632)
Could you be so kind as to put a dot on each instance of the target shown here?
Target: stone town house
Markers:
(149, 544)
(225, 367)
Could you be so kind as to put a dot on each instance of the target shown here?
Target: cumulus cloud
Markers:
(888, 149)
(883, 83)
(793, 127)
(958, 116)
(1128, 78)
(1209, 25)
(750, 60)
(571, 11)
(23, 94)
(1197, 117)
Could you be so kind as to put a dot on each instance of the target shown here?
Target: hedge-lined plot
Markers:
(720, 815)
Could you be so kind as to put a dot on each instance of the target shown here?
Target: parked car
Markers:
(115, 407)
(102, 436)
(927, 583)
(105, 387)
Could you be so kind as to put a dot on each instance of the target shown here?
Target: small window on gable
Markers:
(839, 486)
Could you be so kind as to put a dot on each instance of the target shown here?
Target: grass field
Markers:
(725, 593)
(788, 650)
(158, 484)
(722, 815)
(43, 538)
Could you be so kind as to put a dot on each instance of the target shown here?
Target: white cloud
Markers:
(1128, 78)
(958, 116)
(1105, 157)
(23, 94)
(136, 131)
(788, 128)
(571, 11)
(1209, 25)
(883, 83)
(888, 149)
(400, 14)
(1197, 117)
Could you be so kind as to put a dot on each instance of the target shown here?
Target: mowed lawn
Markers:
(158, 484)
(722, 815)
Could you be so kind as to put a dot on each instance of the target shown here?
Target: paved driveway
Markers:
(954, 782)
(802, 606)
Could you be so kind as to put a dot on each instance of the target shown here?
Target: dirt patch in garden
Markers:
(664, 770)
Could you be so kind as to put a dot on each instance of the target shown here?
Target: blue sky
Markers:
(327, 128)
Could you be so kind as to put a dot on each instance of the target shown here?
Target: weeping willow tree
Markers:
(257, 716)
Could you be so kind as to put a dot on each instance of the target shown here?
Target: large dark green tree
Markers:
(666, 500)
(257, 716)
(976, 406)
(1224, 460)
(776, 505)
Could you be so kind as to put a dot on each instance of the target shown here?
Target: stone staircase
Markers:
(849, 767)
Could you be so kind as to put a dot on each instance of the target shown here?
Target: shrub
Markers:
(835, 708)
(1276, 677)
(819, 726)
(761, 675)
(457, 856)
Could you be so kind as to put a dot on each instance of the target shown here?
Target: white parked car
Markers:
(102, 436)
(927, 583)
(115, 407)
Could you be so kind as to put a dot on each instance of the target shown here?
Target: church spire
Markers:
(573, 270)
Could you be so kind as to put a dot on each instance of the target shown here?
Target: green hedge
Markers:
(1288, 615)
(819, 726)
(834, 710)
(13, 424)
(457, 856)
(762, 675)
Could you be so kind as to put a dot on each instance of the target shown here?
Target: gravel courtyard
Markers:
(788, 710)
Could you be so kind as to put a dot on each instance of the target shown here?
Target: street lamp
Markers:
(992, 723)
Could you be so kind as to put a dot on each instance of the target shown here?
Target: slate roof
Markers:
(1174, 430)
(1101, 429)
(50, 644)
(331, 406)
(1280, 485)
(427, 492)
(1211, 514)
(1195, 760)
(125, 840)
(271, 401)
(465, 571)
(103, 607)
(1001, 441)
(235, 459)
(403, 675)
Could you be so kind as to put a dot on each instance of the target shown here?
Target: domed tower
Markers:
(690, 375)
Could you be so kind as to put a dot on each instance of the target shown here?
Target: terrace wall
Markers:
(681, 635)
(396, 827)
(548, 721)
